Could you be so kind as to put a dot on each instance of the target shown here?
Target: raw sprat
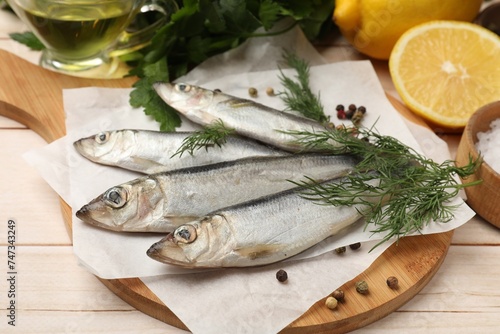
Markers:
(151, 152)
(161, 202)
(247, 118)
(258, 232)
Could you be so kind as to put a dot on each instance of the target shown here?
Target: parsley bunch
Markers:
(201, 29)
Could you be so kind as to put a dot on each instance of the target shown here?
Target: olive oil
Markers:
(77, 31)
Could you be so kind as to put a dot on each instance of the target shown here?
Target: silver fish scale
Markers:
(199, 190)
(262, 123)
(281, 226)
(248, 118)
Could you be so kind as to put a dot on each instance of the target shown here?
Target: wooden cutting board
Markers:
(32, 96)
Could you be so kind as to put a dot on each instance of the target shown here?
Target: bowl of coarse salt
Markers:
(481, 137)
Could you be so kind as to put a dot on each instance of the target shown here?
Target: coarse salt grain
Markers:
(488, 145)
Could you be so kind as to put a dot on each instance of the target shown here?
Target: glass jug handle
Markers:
(132, 40)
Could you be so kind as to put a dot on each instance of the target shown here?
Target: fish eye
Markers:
(183, 88)
(116, 197)
(185, 234)
(102, 137)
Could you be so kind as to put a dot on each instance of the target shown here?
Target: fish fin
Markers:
(258, 251)
(146, 162)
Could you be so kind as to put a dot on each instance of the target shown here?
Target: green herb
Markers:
(298, 95)
(413, 190)
(202, 28)
(29, 39)
(144, 96)
(213, 135)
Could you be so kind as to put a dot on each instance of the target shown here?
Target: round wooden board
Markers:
(32, 96)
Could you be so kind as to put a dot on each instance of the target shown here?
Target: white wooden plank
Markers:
(7, 123)
(462, 297)
(49, 278)
(34, 322)
(467, 282)
(477, 231)
(112, 322)
(25, 196)
(55, 295)
(434, 323)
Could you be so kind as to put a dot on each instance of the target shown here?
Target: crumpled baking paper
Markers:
(247, 300)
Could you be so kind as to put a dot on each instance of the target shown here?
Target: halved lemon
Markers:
(445, 70)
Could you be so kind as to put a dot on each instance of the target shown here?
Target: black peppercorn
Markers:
(355, 246)
(350, 111)
(281, 276)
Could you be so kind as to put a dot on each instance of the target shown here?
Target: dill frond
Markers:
(412, 191)
(211, 136)
(298, 95)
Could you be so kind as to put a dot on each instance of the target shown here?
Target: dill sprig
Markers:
(212, 135)
(298, 95)
(412, 190)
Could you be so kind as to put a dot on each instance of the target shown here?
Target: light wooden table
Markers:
(55, 295)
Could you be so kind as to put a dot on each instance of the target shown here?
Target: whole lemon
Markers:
(374, 26)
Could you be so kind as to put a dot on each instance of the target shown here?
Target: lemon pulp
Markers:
(445, 70)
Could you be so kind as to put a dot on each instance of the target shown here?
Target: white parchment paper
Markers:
(248, 300)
